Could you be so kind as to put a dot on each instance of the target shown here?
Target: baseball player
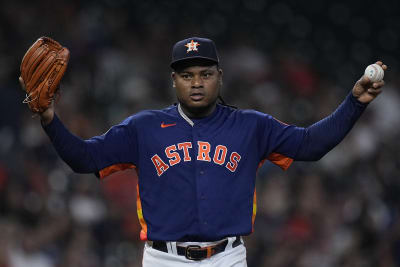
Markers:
(197, 160)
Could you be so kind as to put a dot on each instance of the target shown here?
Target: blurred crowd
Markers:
(295, 61)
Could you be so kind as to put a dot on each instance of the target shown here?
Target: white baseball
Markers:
(374, 72)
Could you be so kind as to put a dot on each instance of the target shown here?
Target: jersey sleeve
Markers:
(282, 143)
(115, 150)
(325, 134)
(279, 142)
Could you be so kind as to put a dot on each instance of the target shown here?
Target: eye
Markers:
(185, 76)
(207, 74)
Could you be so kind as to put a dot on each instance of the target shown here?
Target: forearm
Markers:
(324, 135)
(72, 149)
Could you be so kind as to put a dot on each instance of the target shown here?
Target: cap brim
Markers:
(175, 63)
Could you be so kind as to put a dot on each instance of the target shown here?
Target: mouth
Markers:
(196, 96)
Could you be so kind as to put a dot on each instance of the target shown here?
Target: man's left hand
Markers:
(365, 90)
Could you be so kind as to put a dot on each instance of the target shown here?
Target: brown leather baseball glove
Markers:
(42, 68)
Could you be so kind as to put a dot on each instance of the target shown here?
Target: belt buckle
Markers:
(187, 252)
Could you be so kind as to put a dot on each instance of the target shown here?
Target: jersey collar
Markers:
(198, 121)
(183, 115)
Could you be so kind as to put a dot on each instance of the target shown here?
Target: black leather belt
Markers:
(196, 253)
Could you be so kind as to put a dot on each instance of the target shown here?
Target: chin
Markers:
(198, 107)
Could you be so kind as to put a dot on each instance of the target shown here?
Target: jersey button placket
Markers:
(200, 180)
(202, 195)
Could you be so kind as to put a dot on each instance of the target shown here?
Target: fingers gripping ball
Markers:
(42, 68)
(374, 72)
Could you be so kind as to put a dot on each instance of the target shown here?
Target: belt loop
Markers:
(230, 242)
(148, 244)
(169, 247)
(238, 240)
(173, 248)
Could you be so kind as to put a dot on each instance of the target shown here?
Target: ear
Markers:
(221, 73)
(173, 77)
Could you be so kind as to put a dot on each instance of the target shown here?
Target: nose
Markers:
(197, 81)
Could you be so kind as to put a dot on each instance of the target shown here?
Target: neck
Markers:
(198, 113)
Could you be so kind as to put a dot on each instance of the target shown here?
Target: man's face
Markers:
(197, 89)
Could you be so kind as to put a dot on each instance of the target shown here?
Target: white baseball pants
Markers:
(230, 257)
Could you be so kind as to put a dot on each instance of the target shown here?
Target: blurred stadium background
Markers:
(295, 60)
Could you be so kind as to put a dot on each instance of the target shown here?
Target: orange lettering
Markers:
(185, 146)
(160, 165)
(172, 155)
(233, 163)
(204, 151)
(220, 154)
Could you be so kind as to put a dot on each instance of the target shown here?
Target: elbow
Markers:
(76, 166)
(78, 162)
(314, 156)
(76, 169)
(319, 156)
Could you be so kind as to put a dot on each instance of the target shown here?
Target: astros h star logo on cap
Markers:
(192, 46)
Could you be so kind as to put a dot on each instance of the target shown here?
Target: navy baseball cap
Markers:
(194, 48)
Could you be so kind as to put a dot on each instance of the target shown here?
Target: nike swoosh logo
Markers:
(167, 125)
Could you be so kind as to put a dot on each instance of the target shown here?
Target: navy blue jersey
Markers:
(197, 177)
